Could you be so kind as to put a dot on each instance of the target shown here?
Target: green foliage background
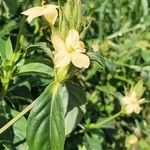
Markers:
(121, 29)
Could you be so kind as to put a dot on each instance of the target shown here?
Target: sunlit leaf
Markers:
(35, 68)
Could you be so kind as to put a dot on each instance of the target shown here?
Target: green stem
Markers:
(100, 124)
(5, 83)
(56, 86)
(11, 122)
(121, 33)
(21, 29)
(19, 34)
(8, 75)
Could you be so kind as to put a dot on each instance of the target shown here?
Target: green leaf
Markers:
(46, 129)
(57, 123)
(97, 57)
(94, 142)
(145, 55)
(11, 6)
(35, 68)
(42, 47)
(38, 122)
(6, 137)
(7, 28)
(19, 129)
(74, 100)
(146, 68)
(145, 7)
(14, 137)
(6, 49)
(49, 120)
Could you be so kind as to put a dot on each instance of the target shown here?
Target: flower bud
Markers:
(68, 10)
(72, 12)
(64, 27)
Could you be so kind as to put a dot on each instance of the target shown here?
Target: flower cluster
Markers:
(70, 50)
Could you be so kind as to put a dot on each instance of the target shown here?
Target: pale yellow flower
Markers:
(48, 11)
(95, 46)
(133, 139)
(70, 50)
(132, 142)
(132, 103)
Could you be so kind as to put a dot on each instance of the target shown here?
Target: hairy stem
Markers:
(22, 113)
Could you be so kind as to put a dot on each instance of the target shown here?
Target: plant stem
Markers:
(8, 75)
(21, 29)
(22, 113)
(19, 34)
(100, 124)
(121, 33)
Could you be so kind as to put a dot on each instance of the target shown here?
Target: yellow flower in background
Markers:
(132, 103)
(133, 140)
(48, 11)
(70, 50)
(95, 46)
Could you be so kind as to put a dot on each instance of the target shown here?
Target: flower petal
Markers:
(33, 13)
(126, 100)
(80, 60)
(137, 109)
(79, 47)
(141, 101)
(72, 38)
(95, 47)
(50, 13)
(58, 43)
(61, 59)
(129, 109)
